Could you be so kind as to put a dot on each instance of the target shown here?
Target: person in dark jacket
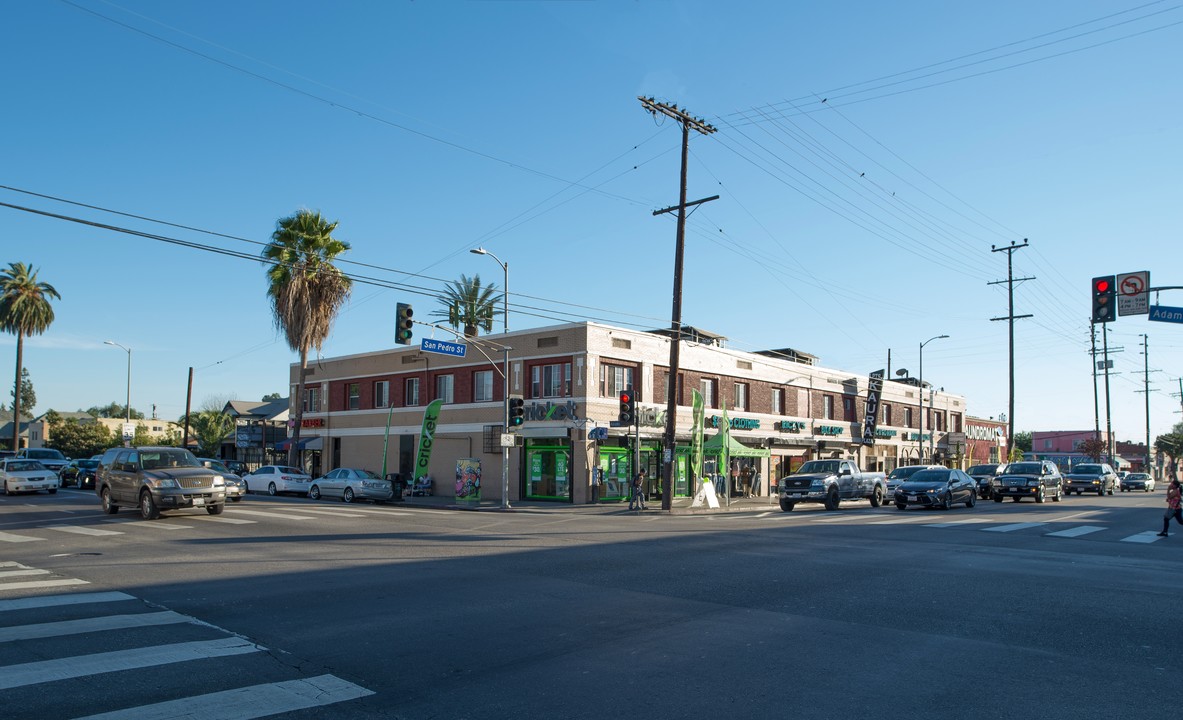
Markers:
(637, 499)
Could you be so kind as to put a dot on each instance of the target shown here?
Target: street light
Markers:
(127, 409)
(505, 379)
(920, 438)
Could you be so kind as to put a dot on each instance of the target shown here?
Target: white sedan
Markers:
(276, 479)
(20, 475)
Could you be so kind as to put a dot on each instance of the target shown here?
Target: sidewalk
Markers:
(681, 506)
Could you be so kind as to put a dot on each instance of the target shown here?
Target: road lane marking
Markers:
(1077, 531)
(13, 676)
(23, 572)
(958, 523)
(44, 601)
(247, 703)
(157, 525)
(229, 521)
(899, 520)
(262, 513)
(93, 624)
(9, 537)
(1013, 527)
(332, 513)
(1143, 537)
(36, 584)
(80, 530)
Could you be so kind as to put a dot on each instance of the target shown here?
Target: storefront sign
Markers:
(914, 437)
(312, 422)
(871, 407)
(650, 417)
(734, 423)
(792, 426)
(982, 432)
(551, 411)
(830, 430)
(885, 434)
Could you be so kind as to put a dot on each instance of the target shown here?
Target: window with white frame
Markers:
(886, 414)
(382, 394)
(778, 401)
(312, 399)
(908, 417)
(708, 392)
(482, 386)
(412, 392)
(443, 388)
(828, 407)
(354, 396)
(740, 401)
(548, 381)
(614, 379)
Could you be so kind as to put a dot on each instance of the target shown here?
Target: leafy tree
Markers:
(53, 419)
(24, 311)
(81, 440)
(114, 410)
(272, 396)
(306, 290)
(210, 427)
(1094, 447)
(1171, 445)
(468, 304)
(1023, 441)
(28, 396)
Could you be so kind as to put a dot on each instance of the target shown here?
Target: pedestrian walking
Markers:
(637, 500)
(1173, 510)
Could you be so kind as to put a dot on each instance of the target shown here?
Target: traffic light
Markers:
(628, 407)
(517, 411)
(1104, 299)
(403, 324)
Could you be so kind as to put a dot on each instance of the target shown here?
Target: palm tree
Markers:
(306, 291)
(24, 310)
(466, 303)
(211, 427)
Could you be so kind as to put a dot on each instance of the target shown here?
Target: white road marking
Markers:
(247, 703)
(261, 513)
(915, 518)
(957, 523)
(1143, 537)
(44, 601)
(228, 521)
(94, 624)
(1013, 527)
(153, 524)
(35, 584)
(23, 572)
(1076, 531)
(333, 513)
(13, 676)
(9, 537)
(80, 530)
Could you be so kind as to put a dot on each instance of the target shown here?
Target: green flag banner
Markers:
(696, 435)
(431, 416)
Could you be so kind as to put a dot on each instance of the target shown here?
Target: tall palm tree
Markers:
(24, 310)
(306, 291)
(468, 304)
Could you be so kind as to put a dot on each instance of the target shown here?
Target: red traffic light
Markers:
(624, 398)
(1101, 285)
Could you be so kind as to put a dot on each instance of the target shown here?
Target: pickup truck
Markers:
(830, 482)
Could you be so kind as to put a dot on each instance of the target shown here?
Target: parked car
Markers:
(48, 457)
(79, 472)
(237, 467)
(1034, 479)
(1137, 481)
(937, 488)
(276, 479)
(1091, 477)
(984, 476)
(157, 479)
(351, 484)
(902, 474)
(23, 475)
(235, 485)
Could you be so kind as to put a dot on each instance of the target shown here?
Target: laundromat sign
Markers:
(736, 423)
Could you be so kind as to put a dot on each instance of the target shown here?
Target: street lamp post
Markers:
(505, 372)
(920, 435)
(127, 407)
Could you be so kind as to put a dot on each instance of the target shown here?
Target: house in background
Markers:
(259, 427)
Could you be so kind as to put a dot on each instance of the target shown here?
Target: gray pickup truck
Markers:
(830, 482)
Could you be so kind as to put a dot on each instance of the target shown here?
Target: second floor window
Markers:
(482, 386)
(382, 394)
(908, 417)
(550, 380)
(443, 388)
(354, 396)
(708, 392)
(778, 401)
(828, 407)
(412, 395)
(614, 379)
(848, 409)
(741, 397)
(312, 399)
(886, 414)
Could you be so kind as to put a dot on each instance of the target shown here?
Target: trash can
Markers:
(400, 486)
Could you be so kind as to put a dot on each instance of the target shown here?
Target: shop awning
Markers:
(735, 448)
(316, 442)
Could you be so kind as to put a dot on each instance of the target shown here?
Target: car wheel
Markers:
(947, 501)
(877, 497)
(314, 492)
(901, 506)
(787, 505)
(1039, 496)
(52, 491)
(6, 490)
(1056, 497)
(108, 507)
(832, 499)
(347, 496)
(237, 499)
(271, 489)
(998, 498)
(148, 509)
(1017, 498)
(215, 509)
(973, 500)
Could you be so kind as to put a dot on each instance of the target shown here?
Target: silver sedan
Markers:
(351, 484)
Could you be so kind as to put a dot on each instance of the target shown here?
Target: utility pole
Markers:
(671, 410)
(1010, 317)
(1108, 414)
(1146, 389)
(1096, 399)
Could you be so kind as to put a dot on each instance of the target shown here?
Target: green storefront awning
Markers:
(714, 446)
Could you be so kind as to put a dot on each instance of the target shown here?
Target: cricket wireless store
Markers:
(426, 415)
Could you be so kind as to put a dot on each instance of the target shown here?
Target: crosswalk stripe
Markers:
(1143, 537)
(899, 520)
(35, 584)
(1076, 531)
(228, 521)
(262, 513)
(247, 703)
(333, 513)
(80, 530)
(958, 523)
(13, 676)
(9, 537)
(156, 525)
(44, 601)
(1013, 527)
(25, 572)
(94, 624)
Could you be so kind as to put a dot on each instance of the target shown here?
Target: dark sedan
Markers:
(79, 472)
(984, 476)
(937, 488)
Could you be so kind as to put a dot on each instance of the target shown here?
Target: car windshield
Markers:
(906, 472)
(289, 470)
(1024, 469)
(168, 458)
(45, 454)
(215, 465)
(982, 469)
(369, 474)
(819, 466)
(88, 464)
(23, 465)
(1137, 476)
(930, 476)
(1089, 469)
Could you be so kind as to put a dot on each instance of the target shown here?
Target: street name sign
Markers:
(1133, 293)
(1165, 313)
(443, 347)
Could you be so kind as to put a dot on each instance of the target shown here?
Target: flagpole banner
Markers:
(431, 416)
(696, 435)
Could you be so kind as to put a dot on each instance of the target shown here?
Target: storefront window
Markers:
(548, 472)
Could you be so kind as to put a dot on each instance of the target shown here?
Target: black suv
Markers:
(1091, 477)
(158, 478)
(1032, 478)
(984, 476)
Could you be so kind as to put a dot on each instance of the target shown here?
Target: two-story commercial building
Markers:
(366, 410)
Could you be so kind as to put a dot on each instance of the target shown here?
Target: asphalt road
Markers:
(1054, 611)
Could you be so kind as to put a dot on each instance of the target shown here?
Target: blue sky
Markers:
(845, 228)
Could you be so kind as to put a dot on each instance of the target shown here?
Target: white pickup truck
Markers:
(830, 482)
